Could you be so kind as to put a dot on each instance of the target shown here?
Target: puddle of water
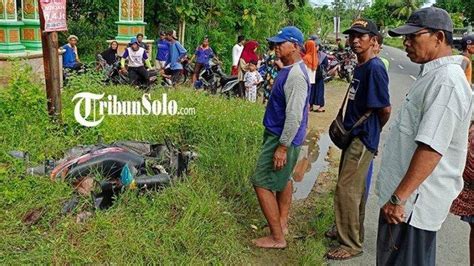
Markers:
(317, 152)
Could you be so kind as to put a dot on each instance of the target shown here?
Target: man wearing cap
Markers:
(70, 56)
(424, 157)
(162, 50)
(285, 121)
(467, 47)
(368, 96)
(176, 53)
(136, 55)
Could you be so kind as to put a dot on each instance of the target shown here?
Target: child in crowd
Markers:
(252, 78)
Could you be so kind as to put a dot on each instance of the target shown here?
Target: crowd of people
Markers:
(423, 160)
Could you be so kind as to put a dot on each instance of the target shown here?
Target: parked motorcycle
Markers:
(342, 64)
(213, 78)
(113, 74)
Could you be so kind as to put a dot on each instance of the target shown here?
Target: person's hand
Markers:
(124, 70)
(394, 214)
(279, 157)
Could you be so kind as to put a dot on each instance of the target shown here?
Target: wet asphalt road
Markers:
(452, 239)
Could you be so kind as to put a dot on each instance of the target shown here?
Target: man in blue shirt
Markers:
(285, 121)
(176, 53)
(162, 50)
(70, 56)
(367, 95)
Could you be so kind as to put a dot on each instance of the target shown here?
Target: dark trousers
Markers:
(138, 75)
(241, 89)
(319, 93)
(77, 66)
(404, 245)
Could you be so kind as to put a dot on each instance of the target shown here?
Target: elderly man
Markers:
(285, 122)
(368, 109)
(70, 56)
(425, 152)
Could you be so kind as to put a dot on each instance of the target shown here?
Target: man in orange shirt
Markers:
(467, 46)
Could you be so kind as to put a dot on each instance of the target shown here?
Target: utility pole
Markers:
(336, 18)
(51, 68)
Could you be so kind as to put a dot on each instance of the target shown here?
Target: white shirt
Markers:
(135, 58)
(437, 112)
(311, 75)
(236, 52)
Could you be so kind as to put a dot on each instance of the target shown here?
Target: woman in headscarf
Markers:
(248, 54)
(318, 98)
(311, 61)
(110, 55)
(271, 66)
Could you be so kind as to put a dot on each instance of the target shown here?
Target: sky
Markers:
(328, 2)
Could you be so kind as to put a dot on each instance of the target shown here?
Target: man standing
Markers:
(70, 56)
(142, 44)
(136, 55)
(285, 121)
(162, 50)
(368, 97)
(236, 52)
(176, 53)
(424, 157)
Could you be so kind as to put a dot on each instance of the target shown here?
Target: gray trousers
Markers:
(403, 244)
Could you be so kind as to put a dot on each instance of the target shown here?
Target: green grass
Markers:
(394, 42)
(204, 219)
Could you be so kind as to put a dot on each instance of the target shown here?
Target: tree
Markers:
(404, 8)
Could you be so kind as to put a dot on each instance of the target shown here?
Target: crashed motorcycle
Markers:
(104, 171)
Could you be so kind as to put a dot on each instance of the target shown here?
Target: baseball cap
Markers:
(315, 38)
(290, 34)
(467, 40)
(133, 40)
(362, 25)
(428, 17)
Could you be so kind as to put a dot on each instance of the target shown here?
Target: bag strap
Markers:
(341, 110)
(361, 120)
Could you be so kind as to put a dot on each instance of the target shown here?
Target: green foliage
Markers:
(196, 221)
(93, 21)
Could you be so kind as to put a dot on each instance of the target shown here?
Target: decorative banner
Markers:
(54, 12)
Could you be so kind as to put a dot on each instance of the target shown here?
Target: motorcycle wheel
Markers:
(349, 78)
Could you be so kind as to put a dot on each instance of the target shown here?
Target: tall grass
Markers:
(198, 220)
(203, 219)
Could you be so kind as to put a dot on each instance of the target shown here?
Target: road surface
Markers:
(452, 239)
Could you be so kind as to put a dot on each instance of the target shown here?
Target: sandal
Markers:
(340, 253)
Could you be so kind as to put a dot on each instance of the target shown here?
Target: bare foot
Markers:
(269, 242)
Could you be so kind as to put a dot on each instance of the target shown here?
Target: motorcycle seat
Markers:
(228, 78)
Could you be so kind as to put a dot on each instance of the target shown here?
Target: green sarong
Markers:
(265, 176)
